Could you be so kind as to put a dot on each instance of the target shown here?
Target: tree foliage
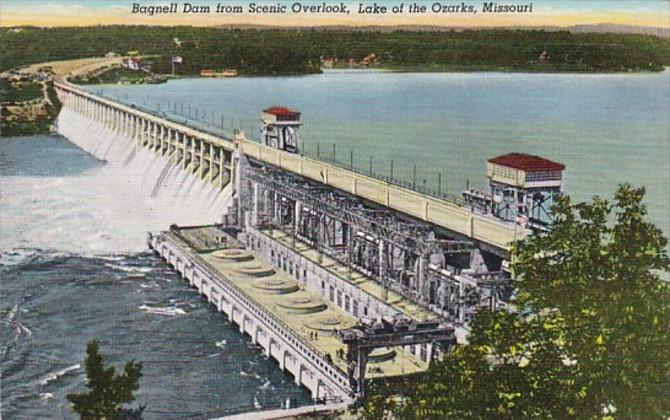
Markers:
(590, 336)
(108, 391)
(275, 52)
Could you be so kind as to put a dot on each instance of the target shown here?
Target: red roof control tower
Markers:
(280, 129)
(523, 187)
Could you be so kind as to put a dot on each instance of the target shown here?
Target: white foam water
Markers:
(108, 209)
(169, 311)
(55, 375)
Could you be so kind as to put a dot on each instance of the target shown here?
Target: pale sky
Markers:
(545, 13)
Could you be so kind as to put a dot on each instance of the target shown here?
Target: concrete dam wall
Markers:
(166, 192)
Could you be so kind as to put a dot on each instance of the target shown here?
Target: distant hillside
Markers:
(621, 29)
(289, 51)
(590, 28)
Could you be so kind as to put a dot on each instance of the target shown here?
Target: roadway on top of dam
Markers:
(438, 210)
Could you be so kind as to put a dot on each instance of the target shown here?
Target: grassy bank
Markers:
(119, 75)
(19, 92)
(30, 118)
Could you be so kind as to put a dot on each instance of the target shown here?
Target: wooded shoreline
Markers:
(274, 52)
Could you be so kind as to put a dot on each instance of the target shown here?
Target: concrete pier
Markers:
(271, 333)
(289, 321)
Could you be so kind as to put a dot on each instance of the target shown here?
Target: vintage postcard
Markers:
(388, 209)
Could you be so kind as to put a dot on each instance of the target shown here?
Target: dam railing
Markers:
(413, 185)
(169, 116)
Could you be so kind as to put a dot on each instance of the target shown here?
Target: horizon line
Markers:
(342, 25)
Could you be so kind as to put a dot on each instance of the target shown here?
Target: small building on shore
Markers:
(133, 63)
(222, 73)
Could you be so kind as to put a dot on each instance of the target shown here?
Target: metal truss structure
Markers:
(406, 255)
(362, 341)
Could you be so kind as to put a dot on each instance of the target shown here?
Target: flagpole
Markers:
(172, 66)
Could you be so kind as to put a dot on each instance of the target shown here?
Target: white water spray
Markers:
(108, 209)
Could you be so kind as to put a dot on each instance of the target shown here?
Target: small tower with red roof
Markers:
(523, 187)
(281, 129)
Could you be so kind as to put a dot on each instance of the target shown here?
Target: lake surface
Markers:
(607, 129)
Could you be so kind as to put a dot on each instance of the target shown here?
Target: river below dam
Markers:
(73, 257)
(74, 266)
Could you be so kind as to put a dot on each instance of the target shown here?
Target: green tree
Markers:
(108, 391)
(605, 281)
(590, 336)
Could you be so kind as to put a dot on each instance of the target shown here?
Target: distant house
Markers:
(132, 63)
(111, 55)
(370, 59)
(44, 73)
(327, 62)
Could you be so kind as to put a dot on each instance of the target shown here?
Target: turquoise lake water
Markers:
(607, 129)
